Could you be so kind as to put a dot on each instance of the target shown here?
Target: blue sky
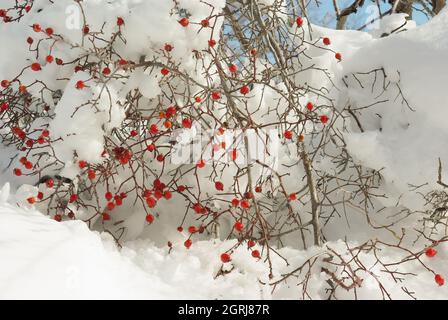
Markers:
(324, 14)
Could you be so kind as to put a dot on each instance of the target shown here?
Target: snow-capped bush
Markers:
(187, 120)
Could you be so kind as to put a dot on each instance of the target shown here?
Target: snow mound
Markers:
(44, 259)
(405, 133)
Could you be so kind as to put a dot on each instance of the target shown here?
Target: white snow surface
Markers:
(41, 258)
(45, 259)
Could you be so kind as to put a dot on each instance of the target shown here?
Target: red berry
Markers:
(17, 172)
(49, 59)
(239, 226)
(199, 209)
(212, 43)
(120, 21)
(184, 22)
(37, 28)
(151, 147)
(233, 154)
(29, 40)
(167, 195)
(149, 218)
(153, 129)
(168, 47)
(219, 186)
(5, 83)
(82, 164)
(181, 188)
(59, 61)
(309, 106)
(86, 29)
(73, 198)
(299, 22)
(251, 243)
(50, 183)
(192, 229)
(258, 189)
(40, 195)
(216, 95)
(292, 197)
(106, 71)
(324, 119)
(245, 204)
(110, 206)
(187, 243)
(225, 257)
(57, 217)
(171, 111)
(80, 85)
(118, 200)
(326, 41)
(91, 174)
(256, 254)
(244, 90)
(160, 157)
(233, 68)
(108, 196)
(22, 89)
(105, 216)
(180, 229)
(28, 165)
(248, 195)
(45, 133)
(164, 71)
(151, 202)
(200, 163)
(186, 123)
(31, 200)
(205, 23)
(134, 133)
(198, 99)
(253, 52)
(439, 280)
(430, 252)
(235, 202)
(36, 67)
(338, 56)
(122, 62)
(4, 106)
(49, 31)
(288, 134)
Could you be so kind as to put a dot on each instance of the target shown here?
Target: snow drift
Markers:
(396, 126)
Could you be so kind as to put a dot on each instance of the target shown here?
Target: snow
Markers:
(403, 137)
(409, 143)
(45, 259)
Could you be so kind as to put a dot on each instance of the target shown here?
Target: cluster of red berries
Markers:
(122, 154)
(112, 202)
(26, 163)
(431, 253)
(225, 257)
(158, 192)
(91, 174)
(192, 230)
(244, 203)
